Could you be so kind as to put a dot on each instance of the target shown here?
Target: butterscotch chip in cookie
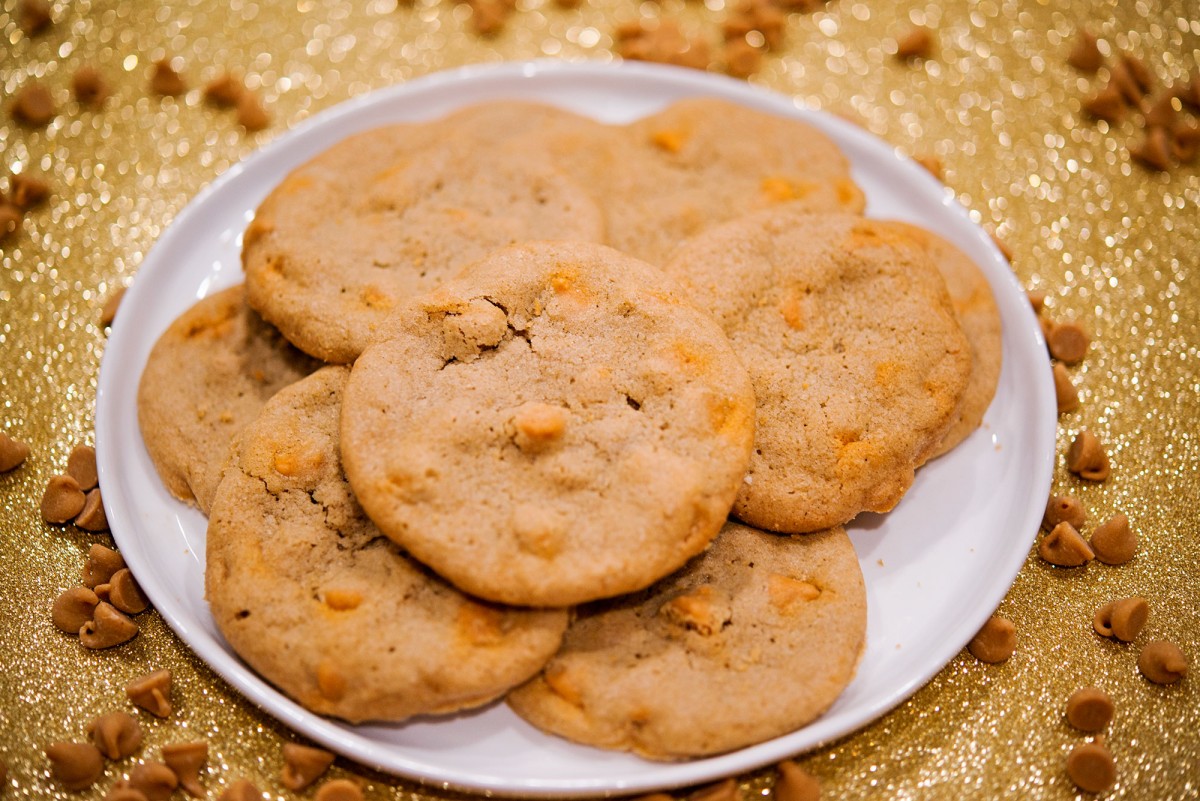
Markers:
(1162, 662)
(340, 790)
(152, 693)
(1086, 55)
(73, 608)
(33, 105)
(76, 766)
(92, 517)
(1089, 709)
(166, 80)
(303, 765)
(13, 453)
(101, 564)
(858, 360)
(678, 670)
(1108, 104)
(995, 642)
(356, 628)
(794, 783)
(1091, 767)
(1086, 457)
(1064, 547)
(1154, 151)
(916, 43)
(28, 190)
(185, 760)
(116, 734)
(241, 790)
(208, 375)
(62, 500)
(1064, 509)
(1114, 541)
(605, 420)
(107, 628)
(154, 780)
(1066, 396)
(89, 86)
(224, 91)
(1123, 619)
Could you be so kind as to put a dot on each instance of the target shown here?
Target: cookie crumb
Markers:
(1123, 618)
(995, 642)
(1091, 767)
(1089, 709)
(1162, 662)
(1086, 55)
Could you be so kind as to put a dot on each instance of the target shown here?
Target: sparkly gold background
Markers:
(1110, 243)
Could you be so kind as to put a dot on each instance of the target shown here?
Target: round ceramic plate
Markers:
(935, 567)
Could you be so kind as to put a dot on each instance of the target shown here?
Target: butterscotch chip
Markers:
(1154, 151)
(1037, 300)
(1162, 662)
(488, 16)
(760, 16)
(76, 766)
(13, 453)
(995, 642)
(121, 791)
(100, 566)
(1064, 547)
(661, 41)
(116, 734)
(339, 790)
(92, 516)
(154, 780)
(224, 91)
(251, 114)
(152, 693)
(185, 760)
(34, 105)
(916, 43)
(725, 790)
(1128, 86)
(1005, 250)
(1162, 114)
(1066, 396)
(10, 218)
(796, 784)
(1108, 104)
(241, 790)
(28, 190)
(109, 312)
(125, 594)
(1142, 74)
(1089, 709)
(1068, 342)
(1113, 541)
(73, 609)
(1123, 618)
(34, 16)
(1188, 92)
(1086, 55)
(62, 500)
(1064, 509)
(1087, 458)
(1091, 767)
(89, 86)
(742, 59)
(166, 80)
(1185, 144)
(81, 466)
(107, 628)
(303, 765)
(931, 163)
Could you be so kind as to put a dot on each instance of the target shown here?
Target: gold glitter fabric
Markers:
(1111, 244)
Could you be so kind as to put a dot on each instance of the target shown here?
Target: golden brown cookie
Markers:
(313, 596)
(557, 424)
(208, 375)
(751, 640)
(856, 355)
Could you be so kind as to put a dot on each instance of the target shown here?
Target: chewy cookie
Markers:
(751, 640)
(391, 213)
(310, 593)
(856, 355)
(557, 424)
(208, 375)
(703, 161)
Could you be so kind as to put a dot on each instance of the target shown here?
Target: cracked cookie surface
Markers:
(208, 375)
(857, 359)
(556, 424)
(752, 639)
(313, 596)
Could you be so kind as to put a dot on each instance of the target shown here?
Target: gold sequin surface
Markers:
(1112, 244)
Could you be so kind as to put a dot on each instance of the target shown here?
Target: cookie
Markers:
(557, 424)
(979, 318)
(310, 593)
(208, 375)
(391, 213)
(751, 640)
(856, 356)
(704, 161)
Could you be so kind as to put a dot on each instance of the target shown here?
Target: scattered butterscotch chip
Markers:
(756, 16)
(33, 16)
(568, 4)
(10, 218)
(660, 41)
(303, 765)
(795, 784)
(1089, 709)
(116, 734)
(241, 790)
(1154, 151)
(92, 516)
(1123, 618)
(931, 163)
(1037, 300)
(102, 562)
(152, 693)
(108, 628)
(1086, 457)
(1066, 396)
(89, 86)
(76, 766)
(916, 43)
(1086, 55)
(1188, 92)
(995, 642)
(109, 312)
(1128, 87)
(488, 16)
(27, 190)
(1064, 547)
(726, 790)
(1141, 74)
(73, 609)
(81, 466)
(1003, 247)
(1113, 541)
(1163, 114)
(1162, 662)
(1068, 342)
(166, 80)
(186, 759)
(34, 105)
(339, 790)
(1108, 104)
(742, 59)
(251, 114)
(154, 780)
(1185, 143)
(62, 500)
(1064, 508)
(1091, 767)
(224, 90)
(124, 593)
(13, 453)
(122, 791)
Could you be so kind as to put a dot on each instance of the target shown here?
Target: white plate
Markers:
(935, 568)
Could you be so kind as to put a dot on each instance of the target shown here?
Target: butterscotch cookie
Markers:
(208, 375)
(703, 161)
(557, 424)
(856, 356)
(751, 640)
(391, 213)
(980, 320)
(310, 593)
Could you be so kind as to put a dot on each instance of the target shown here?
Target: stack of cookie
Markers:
(476, 423)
